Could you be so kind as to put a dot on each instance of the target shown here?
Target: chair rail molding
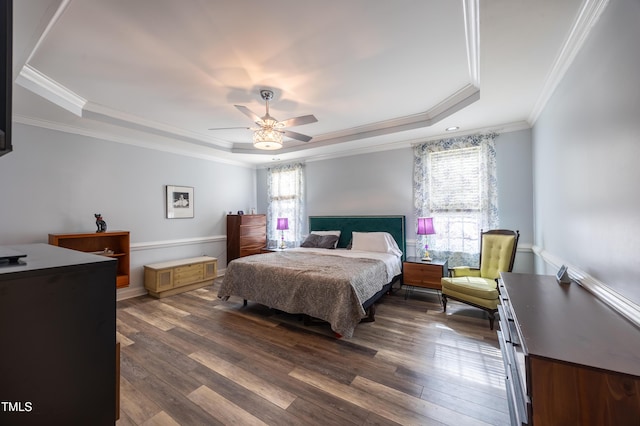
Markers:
(600, 290)
(152, 245)
(411, 248)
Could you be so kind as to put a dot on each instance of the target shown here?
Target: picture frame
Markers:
(562, 276)
(179, 202)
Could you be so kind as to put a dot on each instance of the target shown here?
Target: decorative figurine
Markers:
(100, 223)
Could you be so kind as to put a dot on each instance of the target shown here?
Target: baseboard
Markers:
(129, 292)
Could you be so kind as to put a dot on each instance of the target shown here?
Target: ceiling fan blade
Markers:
(298, 121)
(296, 135)
(229, 128)
(246, 111)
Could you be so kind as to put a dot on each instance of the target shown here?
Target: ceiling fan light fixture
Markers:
(267, 138)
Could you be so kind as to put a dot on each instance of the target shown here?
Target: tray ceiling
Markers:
(376, 74)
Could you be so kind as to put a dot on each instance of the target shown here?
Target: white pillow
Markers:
(381, 242)
(337, 233)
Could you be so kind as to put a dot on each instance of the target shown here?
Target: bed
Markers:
(336, 285)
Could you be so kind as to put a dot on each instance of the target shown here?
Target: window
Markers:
(455, 183)
(285, 190)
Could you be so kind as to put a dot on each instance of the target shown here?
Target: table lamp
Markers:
(283, 225)
(425, 227)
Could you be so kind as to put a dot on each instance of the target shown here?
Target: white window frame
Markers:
(461, 205)
(285, 193)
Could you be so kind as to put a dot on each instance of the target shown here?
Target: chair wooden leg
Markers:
(492, 317)
(444, 302)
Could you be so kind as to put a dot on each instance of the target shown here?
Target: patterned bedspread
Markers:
(328, 287)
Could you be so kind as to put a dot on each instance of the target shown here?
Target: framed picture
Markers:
(179, 202)
(562, 276)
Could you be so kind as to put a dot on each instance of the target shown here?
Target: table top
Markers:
(567, 323)
(426, 262)
(180, 262)
(42, 257)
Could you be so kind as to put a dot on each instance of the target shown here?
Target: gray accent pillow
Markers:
(320, 241)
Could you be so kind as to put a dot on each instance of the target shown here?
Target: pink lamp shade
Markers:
(425, 226)
(283, 224)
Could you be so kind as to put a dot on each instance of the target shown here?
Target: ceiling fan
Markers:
(270, 132)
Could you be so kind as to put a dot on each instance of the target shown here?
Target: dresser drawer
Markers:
(250, 250)
(253, 220)
(423, 274)
(188, 273)
(253, 242)
(253, 231)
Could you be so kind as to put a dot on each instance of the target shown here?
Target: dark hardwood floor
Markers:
(191, 359)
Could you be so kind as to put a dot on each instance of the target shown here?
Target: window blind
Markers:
(454, 180)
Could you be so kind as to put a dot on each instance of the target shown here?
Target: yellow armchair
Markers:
(479, 286)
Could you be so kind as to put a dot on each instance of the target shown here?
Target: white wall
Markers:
(372, 184)
(586, 149)
(381, 183)
(53, 182)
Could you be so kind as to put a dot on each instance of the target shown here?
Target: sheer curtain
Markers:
(454, 182)
(285, 192)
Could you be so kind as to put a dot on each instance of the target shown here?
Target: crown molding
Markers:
(44, 86)
(107, 136)
(587, 17)
(503, 128)
(40, 84)
(462, 98)
(472, 33)
(110, 137)
(94, 111)
(454, 103)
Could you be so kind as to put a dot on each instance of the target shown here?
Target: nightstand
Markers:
(272, 249)
(419, 273)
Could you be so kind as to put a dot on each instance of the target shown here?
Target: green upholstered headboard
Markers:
(394, 225)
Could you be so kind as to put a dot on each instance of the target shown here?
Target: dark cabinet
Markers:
(58, 337)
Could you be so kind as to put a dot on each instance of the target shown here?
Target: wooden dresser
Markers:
(569, 359)
(246, 235)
